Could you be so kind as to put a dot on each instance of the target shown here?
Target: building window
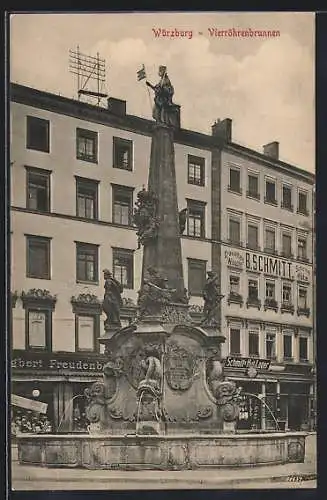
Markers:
(302, 203)
(37, 136)
(196, 276)
(253, 186)
(86, 262)
(270, 345)
(287, 346)
(253, 237)
(234, 291)
(234, 231)
(38, 329)
(235, 180)
(38, 257)
(270, 192)
(85, 333)
(287, 197)
(287, 293)
(196, 219)
(195, 170)
(270, 240)
(123, 266)
(286, 245)
(122, 205)
(87, 198)
(123, 153)
(302, 248)
(253, 291)
(38, 189)
(86, 145)
(234, 284)
(303, 349)
(302, 300)
(270, 290)
(235, 341)
(253, 343)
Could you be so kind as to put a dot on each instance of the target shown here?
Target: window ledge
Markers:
(127, 169)
(303, 311)
(82, 282)
(199, 184)
(235, 299)
(253, 303)
(290, 208)
(271, 304)
(87, 159)
(235, 243)
(253, 248)
(270, 251)
(234, 191)
(303, 259)
(271, 202)
(253, 196)
(302, 212)
(285, 308)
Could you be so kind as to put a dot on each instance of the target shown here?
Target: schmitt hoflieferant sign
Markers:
(246, 363)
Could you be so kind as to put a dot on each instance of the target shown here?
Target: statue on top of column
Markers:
(164, 110)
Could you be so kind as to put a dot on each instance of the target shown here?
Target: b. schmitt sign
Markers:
(274, 266)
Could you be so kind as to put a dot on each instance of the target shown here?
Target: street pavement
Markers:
(290, 476)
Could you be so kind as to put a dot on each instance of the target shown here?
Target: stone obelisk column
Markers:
(164, 254)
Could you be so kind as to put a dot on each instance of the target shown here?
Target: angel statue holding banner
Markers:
(164, 110)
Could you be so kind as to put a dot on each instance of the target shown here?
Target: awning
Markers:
(29, 404)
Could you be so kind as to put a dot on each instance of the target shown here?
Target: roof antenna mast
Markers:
(91, 75)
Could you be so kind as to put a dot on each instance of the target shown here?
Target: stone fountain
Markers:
(164, 401)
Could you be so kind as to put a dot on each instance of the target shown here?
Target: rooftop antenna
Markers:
(91, 75)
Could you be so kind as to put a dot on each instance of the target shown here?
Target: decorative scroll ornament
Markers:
(86, 301)
(101, 392)
(203, 413)
(226, 393)
(146, 217)
(37, 296)
(180, 368)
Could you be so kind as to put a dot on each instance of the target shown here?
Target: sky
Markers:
(265, 85)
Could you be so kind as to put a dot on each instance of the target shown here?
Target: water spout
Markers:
(266, 406)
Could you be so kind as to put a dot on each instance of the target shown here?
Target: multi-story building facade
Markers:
(75, 172)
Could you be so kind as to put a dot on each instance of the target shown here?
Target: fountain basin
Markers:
(178, 451)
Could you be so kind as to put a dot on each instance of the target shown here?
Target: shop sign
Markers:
(269, 265)
(246, 363)
(29, 404)
(234, 258)
(55, 363)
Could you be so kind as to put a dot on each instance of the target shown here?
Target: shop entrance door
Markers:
(295, 413)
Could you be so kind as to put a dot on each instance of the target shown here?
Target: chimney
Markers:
(271, 150)
(222, 129)
(117, 106)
